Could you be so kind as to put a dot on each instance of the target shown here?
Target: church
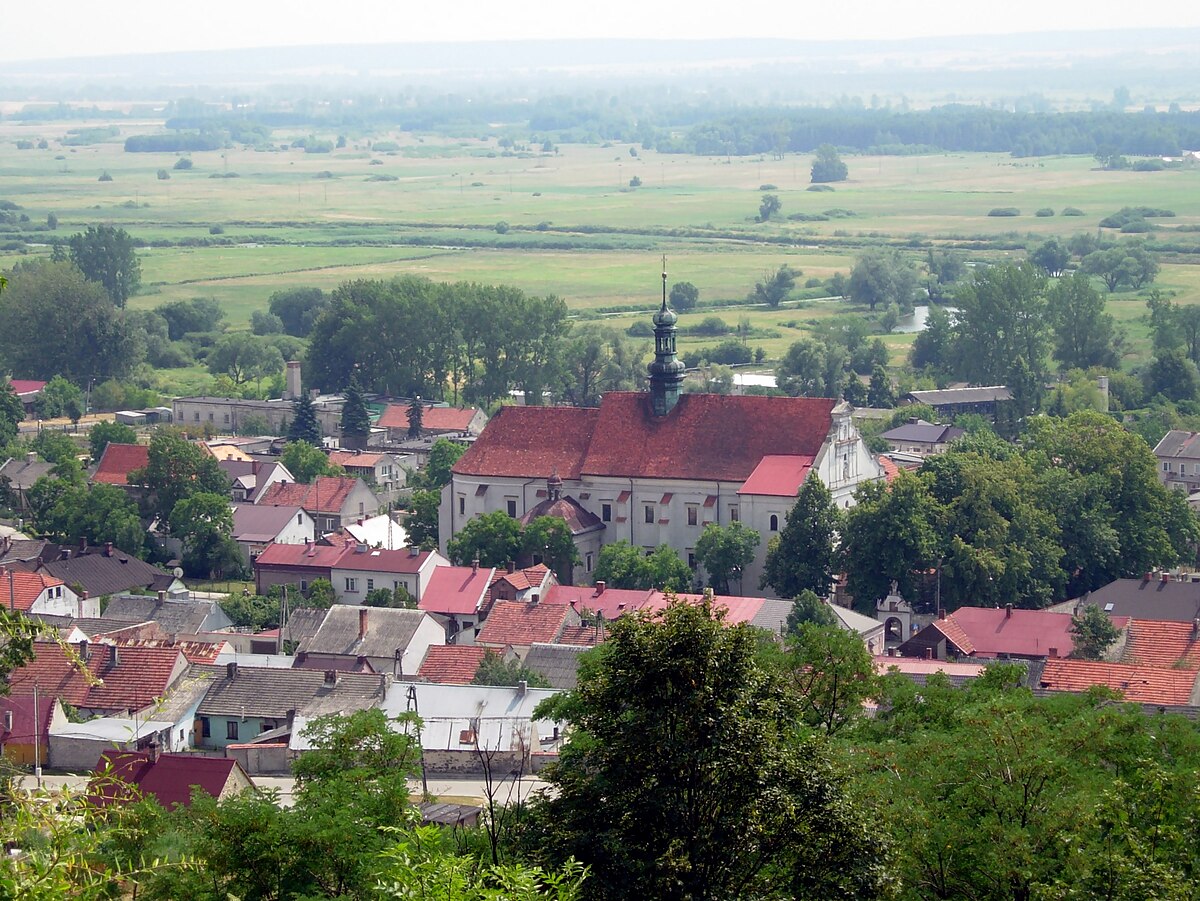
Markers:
(656, 467)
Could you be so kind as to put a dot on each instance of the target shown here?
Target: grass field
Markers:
(576, 227)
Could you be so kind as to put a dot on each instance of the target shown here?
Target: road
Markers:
(466, 791)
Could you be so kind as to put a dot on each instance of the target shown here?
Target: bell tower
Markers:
(666, 372)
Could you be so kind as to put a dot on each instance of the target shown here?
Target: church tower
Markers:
(666, 372)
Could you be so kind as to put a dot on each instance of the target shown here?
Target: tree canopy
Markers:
(106, 255)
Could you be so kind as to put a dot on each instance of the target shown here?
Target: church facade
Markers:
(656, 467)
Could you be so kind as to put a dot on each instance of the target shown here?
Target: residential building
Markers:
(371, 639)
(42, 593)
(922, 438)
(657, 467)
(1164, 686)
(1178, 454)
(557, 663)
(519, 624)
(117, 463)
(459, 597)
(25, 724)
(332, 501)
(297, 565)
(435, 421)
(452, 663)
(378, 532)
(170, 779)
(173, 616)
(948, 403)
(28, 391)
(250, 479)
(382, 472)
(997, 633)
(108, 570)
(80, 746)
(20, 476)
(362, 569)
(256, 526)
(1158, 596)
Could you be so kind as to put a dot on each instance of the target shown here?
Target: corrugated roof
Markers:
(520, 624)
(942, 396)
(118, 461)
(169, 780)
(455, 590)
(778, 475)
(923, 433)
(1141, 684)
(452, 663)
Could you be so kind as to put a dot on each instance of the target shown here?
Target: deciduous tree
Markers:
(724, 551)
(802, 557)
(106, 255)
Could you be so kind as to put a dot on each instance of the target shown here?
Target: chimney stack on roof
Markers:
(600, 586)
(941, 612)
(1008, 611)
(231, 670)
(362, 623)
(161, 599)
(414, 551)
(153, 752)
(84, 651)
(512, 567)
(1053, 653)
(522, 687)
(1146, 577)
(331, 677)
(291, 379)
(31, 457)
(1166, 577)
(108, 548)
(475, 565)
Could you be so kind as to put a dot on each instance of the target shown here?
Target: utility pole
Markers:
(412, 707)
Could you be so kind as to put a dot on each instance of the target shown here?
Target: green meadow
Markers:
(565, 222)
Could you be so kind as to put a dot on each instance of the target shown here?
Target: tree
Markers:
(1092, 632)
(774, 287)
(356, 419)
(597, 359)
(106, 255)
(442, 456)
(1172, 375)
(59, 398)
(884, 278)
(176, 470)
(1051, 256)
(396, 598)
(53, 322)
(724, 551)
(740, 808)
(1084, 335)
(684, 296)
(932, 346)
(305, 426)
(264, 323)
(828, 166)
(621, 565)
(306, 462)
(946, 268)
(416, 417)
(880, 393)
(801, 558)
(833, 674)
(54, 447)
(1127, 263)
(12, 412)
(186, 317)
(769, 207)
(493, 538)
(547, 539)
(204, 523)
(422, 520)
(811, 369)
(808, 608)
(244, 358)
(495, 670)
(105, 433)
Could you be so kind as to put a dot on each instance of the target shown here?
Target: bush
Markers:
(382, 178)
(767, 188)
(104, 176)
(635, 182)
(820, 188)
(808, 217)
(1072, 211)
(710, 325)
(502, 228)
(1137, 227)
(1127, 214)
(1003, 211)
(640, 329)
(839, 213)
(163, 175)
(183, 163)
(730, 352)
(1149, 166)
(216, 230)
(1044, 213)
(375, 163)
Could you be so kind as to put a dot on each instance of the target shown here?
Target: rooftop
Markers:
(923, 433)
(360, 557)
(1178, 443)
(452, 663)
(778, 475)
(433, 419)
(387, 630)
(253, 522)
(101, 572)
(456, 590)
(531, 442)
(19, 588)
(993, 631)
(941, 396)
(169, 780)
(558, 663)
(1141, 684)
(358, 459)
(521, 624)
(325, 494)
(117, 679)
(269, 692)
(118, 461)
(1148, 598)
(1156, 643)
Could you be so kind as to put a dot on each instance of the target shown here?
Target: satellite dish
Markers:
(177, 572)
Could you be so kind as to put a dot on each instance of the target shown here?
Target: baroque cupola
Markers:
(666, 372)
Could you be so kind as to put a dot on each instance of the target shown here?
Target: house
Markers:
(1178, 454)
(16, 548)
(42, 593)
(1158, 596)
(117, 680)
(453, 663)
(919, 670)
(435, 421)
(1154, 685)
(174, 617)
(333, 501)
(869, 629)
(25, 725)
(28, 391)
(170, 779)
(382, 472)
(20, 476)
(518, 625)
(996, 633)
(117, 463)
(362, 569)
(600, 601)
(378, 532)
(948, 403)
(243, 702)
(557, 663)
(79, 746)
(529, 583)
(249, 479)
(255, 527)
(377, 639)
(1158, 643)
(297, 565)
(920, 437)
(458, 596)
(108, 570)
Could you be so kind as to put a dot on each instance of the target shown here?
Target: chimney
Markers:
(83, 544)
(1196, 627)
(291, 380)
(600, 586)
(1146, 577)
(1008, 611)
(64, 554)
(512, 567)
(162, 599)
(534, 599)
(84, 651)
(153, 752)
(108, 548)
(31, 457)
(414, 551)
(941, 612)
(1053, 653)
(1166, 577)
(522, 687)
(362, 623)
(475, 565)
(231, 670)
(331, 677)
(360, 548)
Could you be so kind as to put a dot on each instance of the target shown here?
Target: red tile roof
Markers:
(581, 636)
(531, 442)
(26, 587)
(118, 461)
(193, 651)
(736, 609)
(954, 634)
(350, 458)
(24, 728)
(26, 386)
(381, 561)
(1141, 684)
(325, 494)
(890, 469)
(520, 624)
(317, 556)
(455, 590)
(779, 475)
(569, 510)
(452, 663)
(612, 602)
(1156, 643)
(920, 666)
(523, 579)
(433, 419)
(169, 779)
(990, 632)
(137, 678)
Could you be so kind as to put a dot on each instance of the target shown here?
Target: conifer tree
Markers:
(356, 420)
(305, 426)
(416, 415)
(802, 557)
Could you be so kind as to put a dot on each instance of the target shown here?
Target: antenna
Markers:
(664, 278)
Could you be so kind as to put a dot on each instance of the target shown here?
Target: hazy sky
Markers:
(78, 28)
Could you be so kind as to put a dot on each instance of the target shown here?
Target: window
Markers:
(299, 519)
(304, 584)
(511, 506)
(693, 514)
(370, 584)
(589, 562)
(462, 505)
(196, 416)
(231, 730)
(734, 514)
(691, 559)
(774, 522)
(649, 513)
(351, 584)
(210, 417)
(606, 512)
(227, 419)
(205, 728)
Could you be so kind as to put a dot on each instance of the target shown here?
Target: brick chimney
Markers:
(1053, 653)
(362, 623)
(108, 546)
(330, 677)
(1008, 611)
(600, 586)
(475, 565)
(231, 670)
(153, 752)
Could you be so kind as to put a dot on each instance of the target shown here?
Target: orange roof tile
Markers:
(1140, 684)
(193, 651)
(325, 494)
(890, 469)
(955, 634)
(523, 579)
(1157, 643)
(433, 419)
(26, 587)
(118, 461)
(520, 624)
(582, 636)
(452, 663)
(350, 458)
(129, 678)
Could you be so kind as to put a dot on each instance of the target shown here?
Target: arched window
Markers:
(774, 522)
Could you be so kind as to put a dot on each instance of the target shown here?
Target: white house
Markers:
(362, 569)
(40, 592)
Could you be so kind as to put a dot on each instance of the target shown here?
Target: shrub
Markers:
(216, 230)
(808, 217)
(640, 329)
(163, 175)
(1137, 227)
(839, 213)
(1149, 166)
(1072, 211)
(375, 163)
(767, 188)
(104, 176)
(502, 228)
(183, 163)
(382, 178)
(711, 325)
(820, 188)
(635, 182)
(1044, 213)
(1003, 211)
